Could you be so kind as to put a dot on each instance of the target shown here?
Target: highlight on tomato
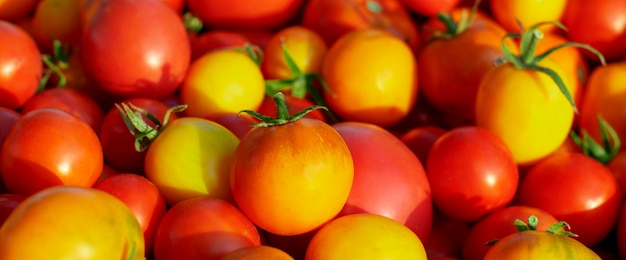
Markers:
(509, 12)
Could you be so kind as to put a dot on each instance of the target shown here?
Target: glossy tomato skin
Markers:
(203, 228)
(539, 245)
(291, 179)
(20, 66)
(305, 46)
(191, 158)
(8, 117)
(245, 14)
(151, 64)
(69, 100)
(257, 252)
(49, 147)
(527, 12)
(581, 180)
(471, 173)
(70, 223)
(389, 179)
(617, 165)
(142, 197)
(365, 236)
(213, 40)
(420, 139)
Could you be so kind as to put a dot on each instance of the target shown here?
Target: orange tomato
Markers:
(257, 252)
(13, 10)
(57, 19)
(528, 12)
(371, 77)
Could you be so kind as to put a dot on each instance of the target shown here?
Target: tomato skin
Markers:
(15, 10)
(581, 180)
(294, 105)
(203, 228)
(430, 8)
(8, 203)
(257, 252)
(446, 237)
(382, 89)
(213, 40)
(95, 225)
(191, 158)
(8, 117)
(20, 66)
(305, 46)
(49, 147)
(527, 12)
(404, 195)
(365, 236)
(617, 165)
(420, 139)
(57, 19)
(148, 206)
(471, 173)
(621, 232)
(152, 63)
(289, 183)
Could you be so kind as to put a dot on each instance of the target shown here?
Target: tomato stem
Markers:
(610, 142)
(558, 228)
(283, 116)
(55, 64)
(453, 28)
(144, 133)
(192, 23)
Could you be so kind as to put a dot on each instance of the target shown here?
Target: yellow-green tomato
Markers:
(535, 244)
(191, 158)
(365, 236)
(221, 82)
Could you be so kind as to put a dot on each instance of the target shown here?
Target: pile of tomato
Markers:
(312, 129)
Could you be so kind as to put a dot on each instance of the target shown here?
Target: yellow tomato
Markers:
(371, 76)
(257, 252)
(70, 222)
(191, 158)
(365, 236)
(528, 12)
(221, 82)
(526, 109)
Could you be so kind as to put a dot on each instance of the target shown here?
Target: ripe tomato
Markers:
(152, 63)
(214, 40)
(15, 10)
(365, 236)
(604, 96)
(498, 225)
(257, 252)
(148, 205)
(49, 147)
(20, 65)
(617, 165)
(506, 12)
(291, 178)
(420, 139)
(57, 20)
(268, 107)
(8, 117)
(8, 203)
(68, 100)
(203, 228)
(371, 77)
(587, 192)
(403, 194)
(71, 223)
(215, 85)
(621, 232)
(430, 8)
(446, 237)
(237, 123)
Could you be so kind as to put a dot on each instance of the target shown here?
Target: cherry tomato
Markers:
(268, 107)
(15, 10)
(49, 147)
(257, 252)
(20, 65)
(446, 237)
(69, 100)
(430, 8)
(71, 223)
(8, 117)
(471, 172)
(617, 165)
(57, 20)
(528, 12)
(203, 228)
(420, 139)
(214, 40)
(237, 123)
(365, 236)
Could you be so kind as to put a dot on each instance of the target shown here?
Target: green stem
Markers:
(283, 116)
(143, 132)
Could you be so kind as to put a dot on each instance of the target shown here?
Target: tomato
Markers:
(420, 139)
(8, 117)
(238, 124)
(245, 14)
(69, 100)
(203, 228)
(215, 85)
(118, 142)
(446, 237)
(8, 203)
(295, 245)
(621, 232)
(293, 177)
(214, 40)
(365, 236)
(176, 5)
(507, 12)
(71, 223)
(148, 206)
(499, 224)
(452, 66)
(20, 65)
(404, 193)
(371, 77)
(430, 8)
(49, 147)
(617, 166)
(604, 26)
(587, 193)
(57, 19)
(604, 96)
(125, 57)
(15, 10)
(331, 19)
(268, 107)
(257, 252)
(539, 245)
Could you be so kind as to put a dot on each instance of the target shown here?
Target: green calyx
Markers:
(143, 132)
(55, 64)
(283, 116)
(559, 228)
(529, 60)
(601, 152)
(192, 23)
(455, 28)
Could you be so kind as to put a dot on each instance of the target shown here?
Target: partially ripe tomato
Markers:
(20, 65)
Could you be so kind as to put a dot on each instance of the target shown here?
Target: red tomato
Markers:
(8, 117)
(257, 252)
(147, 205)
(621, 233)
(617, 165)
(268, 107)
(245, 14)
(403, 194)
(117, 141)
(446, 237)
(151, 63)
(8, 202)
(68, 100)
(13, 10)
(49, 147)
(239, 124)
(498, 225)
(57, 20)
(20, 65)
(203, 228)
(215, 39)
(420, 139)
(176, 5)
(603, 26)
(586, 193)
(429, 7)
(471, 173)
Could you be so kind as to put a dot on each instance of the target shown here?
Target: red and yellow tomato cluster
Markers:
(311, 129)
